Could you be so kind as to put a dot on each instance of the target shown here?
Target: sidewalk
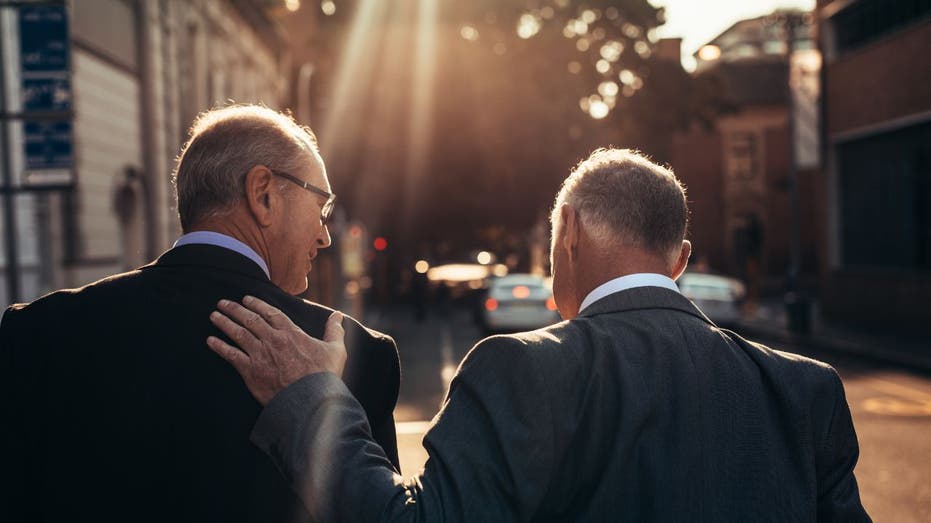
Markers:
(769, 323)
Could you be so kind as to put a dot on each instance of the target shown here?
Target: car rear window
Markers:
(708, 291)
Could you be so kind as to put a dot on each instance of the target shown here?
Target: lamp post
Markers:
(796, 301)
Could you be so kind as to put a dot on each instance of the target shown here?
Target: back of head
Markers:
(624, 199)
(223, 145)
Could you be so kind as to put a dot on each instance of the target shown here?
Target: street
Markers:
(891, 408)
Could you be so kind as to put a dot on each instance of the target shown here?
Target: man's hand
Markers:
(275, 352)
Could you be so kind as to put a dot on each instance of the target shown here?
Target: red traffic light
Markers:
(380, 244)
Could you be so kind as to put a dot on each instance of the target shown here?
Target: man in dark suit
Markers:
(111, 409)
(636, 408)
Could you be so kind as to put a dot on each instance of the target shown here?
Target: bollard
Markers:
(798, 312)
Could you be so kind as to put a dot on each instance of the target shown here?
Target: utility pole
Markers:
(792, 23)
(11, 268)
(43, 80)
(796, 301)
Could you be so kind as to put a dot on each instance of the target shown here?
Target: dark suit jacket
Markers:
(638, 410)
(114, 409)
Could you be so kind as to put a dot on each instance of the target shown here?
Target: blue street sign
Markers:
(48, 145)
(45, 51)
(46, 94)
(43, 39)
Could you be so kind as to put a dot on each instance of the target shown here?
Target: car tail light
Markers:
(491, 304)
(551, 303)
(520, 292)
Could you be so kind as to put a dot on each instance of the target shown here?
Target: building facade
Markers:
(739, 170)
(141, 70)
(877, 140)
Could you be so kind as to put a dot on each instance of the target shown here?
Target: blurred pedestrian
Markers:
(419, 288)
(443, 299)
(112, 412)
(636, 408)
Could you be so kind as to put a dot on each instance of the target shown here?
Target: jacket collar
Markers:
(209, 256)
(643, 298)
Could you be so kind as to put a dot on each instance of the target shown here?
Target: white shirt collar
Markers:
(221, 240)
(643, 279)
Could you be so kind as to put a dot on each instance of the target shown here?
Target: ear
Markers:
(571, 229)
(682, 261)
(262, 196)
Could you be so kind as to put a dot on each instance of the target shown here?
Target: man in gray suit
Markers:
(635, 408)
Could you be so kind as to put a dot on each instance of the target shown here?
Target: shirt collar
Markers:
(221, 240)
(643, 279)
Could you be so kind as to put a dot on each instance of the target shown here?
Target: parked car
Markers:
(719, 297)
(517, 302)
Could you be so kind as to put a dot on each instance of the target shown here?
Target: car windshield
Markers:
(519, 287)
(707, 286)
(707, 291)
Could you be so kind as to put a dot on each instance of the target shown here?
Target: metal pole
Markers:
(795, 265)
(796, 301)
(9, 199)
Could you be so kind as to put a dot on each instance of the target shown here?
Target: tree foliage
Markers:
(522, 90)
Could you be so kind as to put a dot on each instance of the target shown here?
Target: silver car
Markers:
(717, 296)
(518, 302)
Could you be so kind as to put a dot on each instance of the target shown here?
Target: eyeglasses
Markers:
(326, 212)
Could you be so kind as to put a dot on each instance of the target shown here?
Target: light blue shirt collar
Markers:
(222, 240)
(643, 279)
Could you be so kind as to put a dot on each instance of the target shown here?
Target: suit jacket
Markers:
(114, 409)
(640, 409)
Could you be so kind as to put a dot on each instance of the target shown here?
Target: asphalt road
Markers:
(891, 408)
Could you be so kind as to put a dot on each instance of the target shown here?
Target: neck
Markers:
(235, 226)
(603, 266)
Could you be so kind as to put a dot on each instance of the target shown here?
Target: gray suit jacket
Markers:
(640, 409)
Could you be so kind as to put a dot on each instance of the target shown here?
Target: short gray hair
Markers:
(624, 198)
(224, 145)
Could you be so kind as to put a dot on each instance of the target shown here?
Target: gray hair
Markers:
(624, 198)
(224, 145)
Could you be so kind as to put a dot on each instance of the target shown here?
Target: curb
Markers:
(777, 335)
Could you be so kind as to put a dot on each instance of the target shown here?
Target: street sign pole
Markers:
(796, 300)
(11, 269)
(45, 114)
(792, 24)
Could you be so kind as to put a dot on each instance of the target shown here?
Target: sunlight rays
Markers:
(355, 70)
(381, 102)
(420, 123)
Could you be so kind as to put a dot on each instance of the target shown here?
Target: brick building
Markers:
(737, 171)
(876, 268)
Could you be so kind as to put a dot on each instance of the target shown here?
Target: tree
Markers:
(523, 89)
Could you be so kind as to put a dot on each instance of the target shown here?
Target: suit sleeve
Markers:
(373, 376)
(490, 448)
(838, 495)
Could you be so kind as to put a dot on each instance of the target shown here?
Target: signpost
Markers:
(44, 52)
(45, 111)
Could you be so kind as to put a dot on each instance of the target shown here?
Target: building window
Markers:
(867, 20)
(774, 47)
(744, 51)
(743, 156)
(885, 200)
